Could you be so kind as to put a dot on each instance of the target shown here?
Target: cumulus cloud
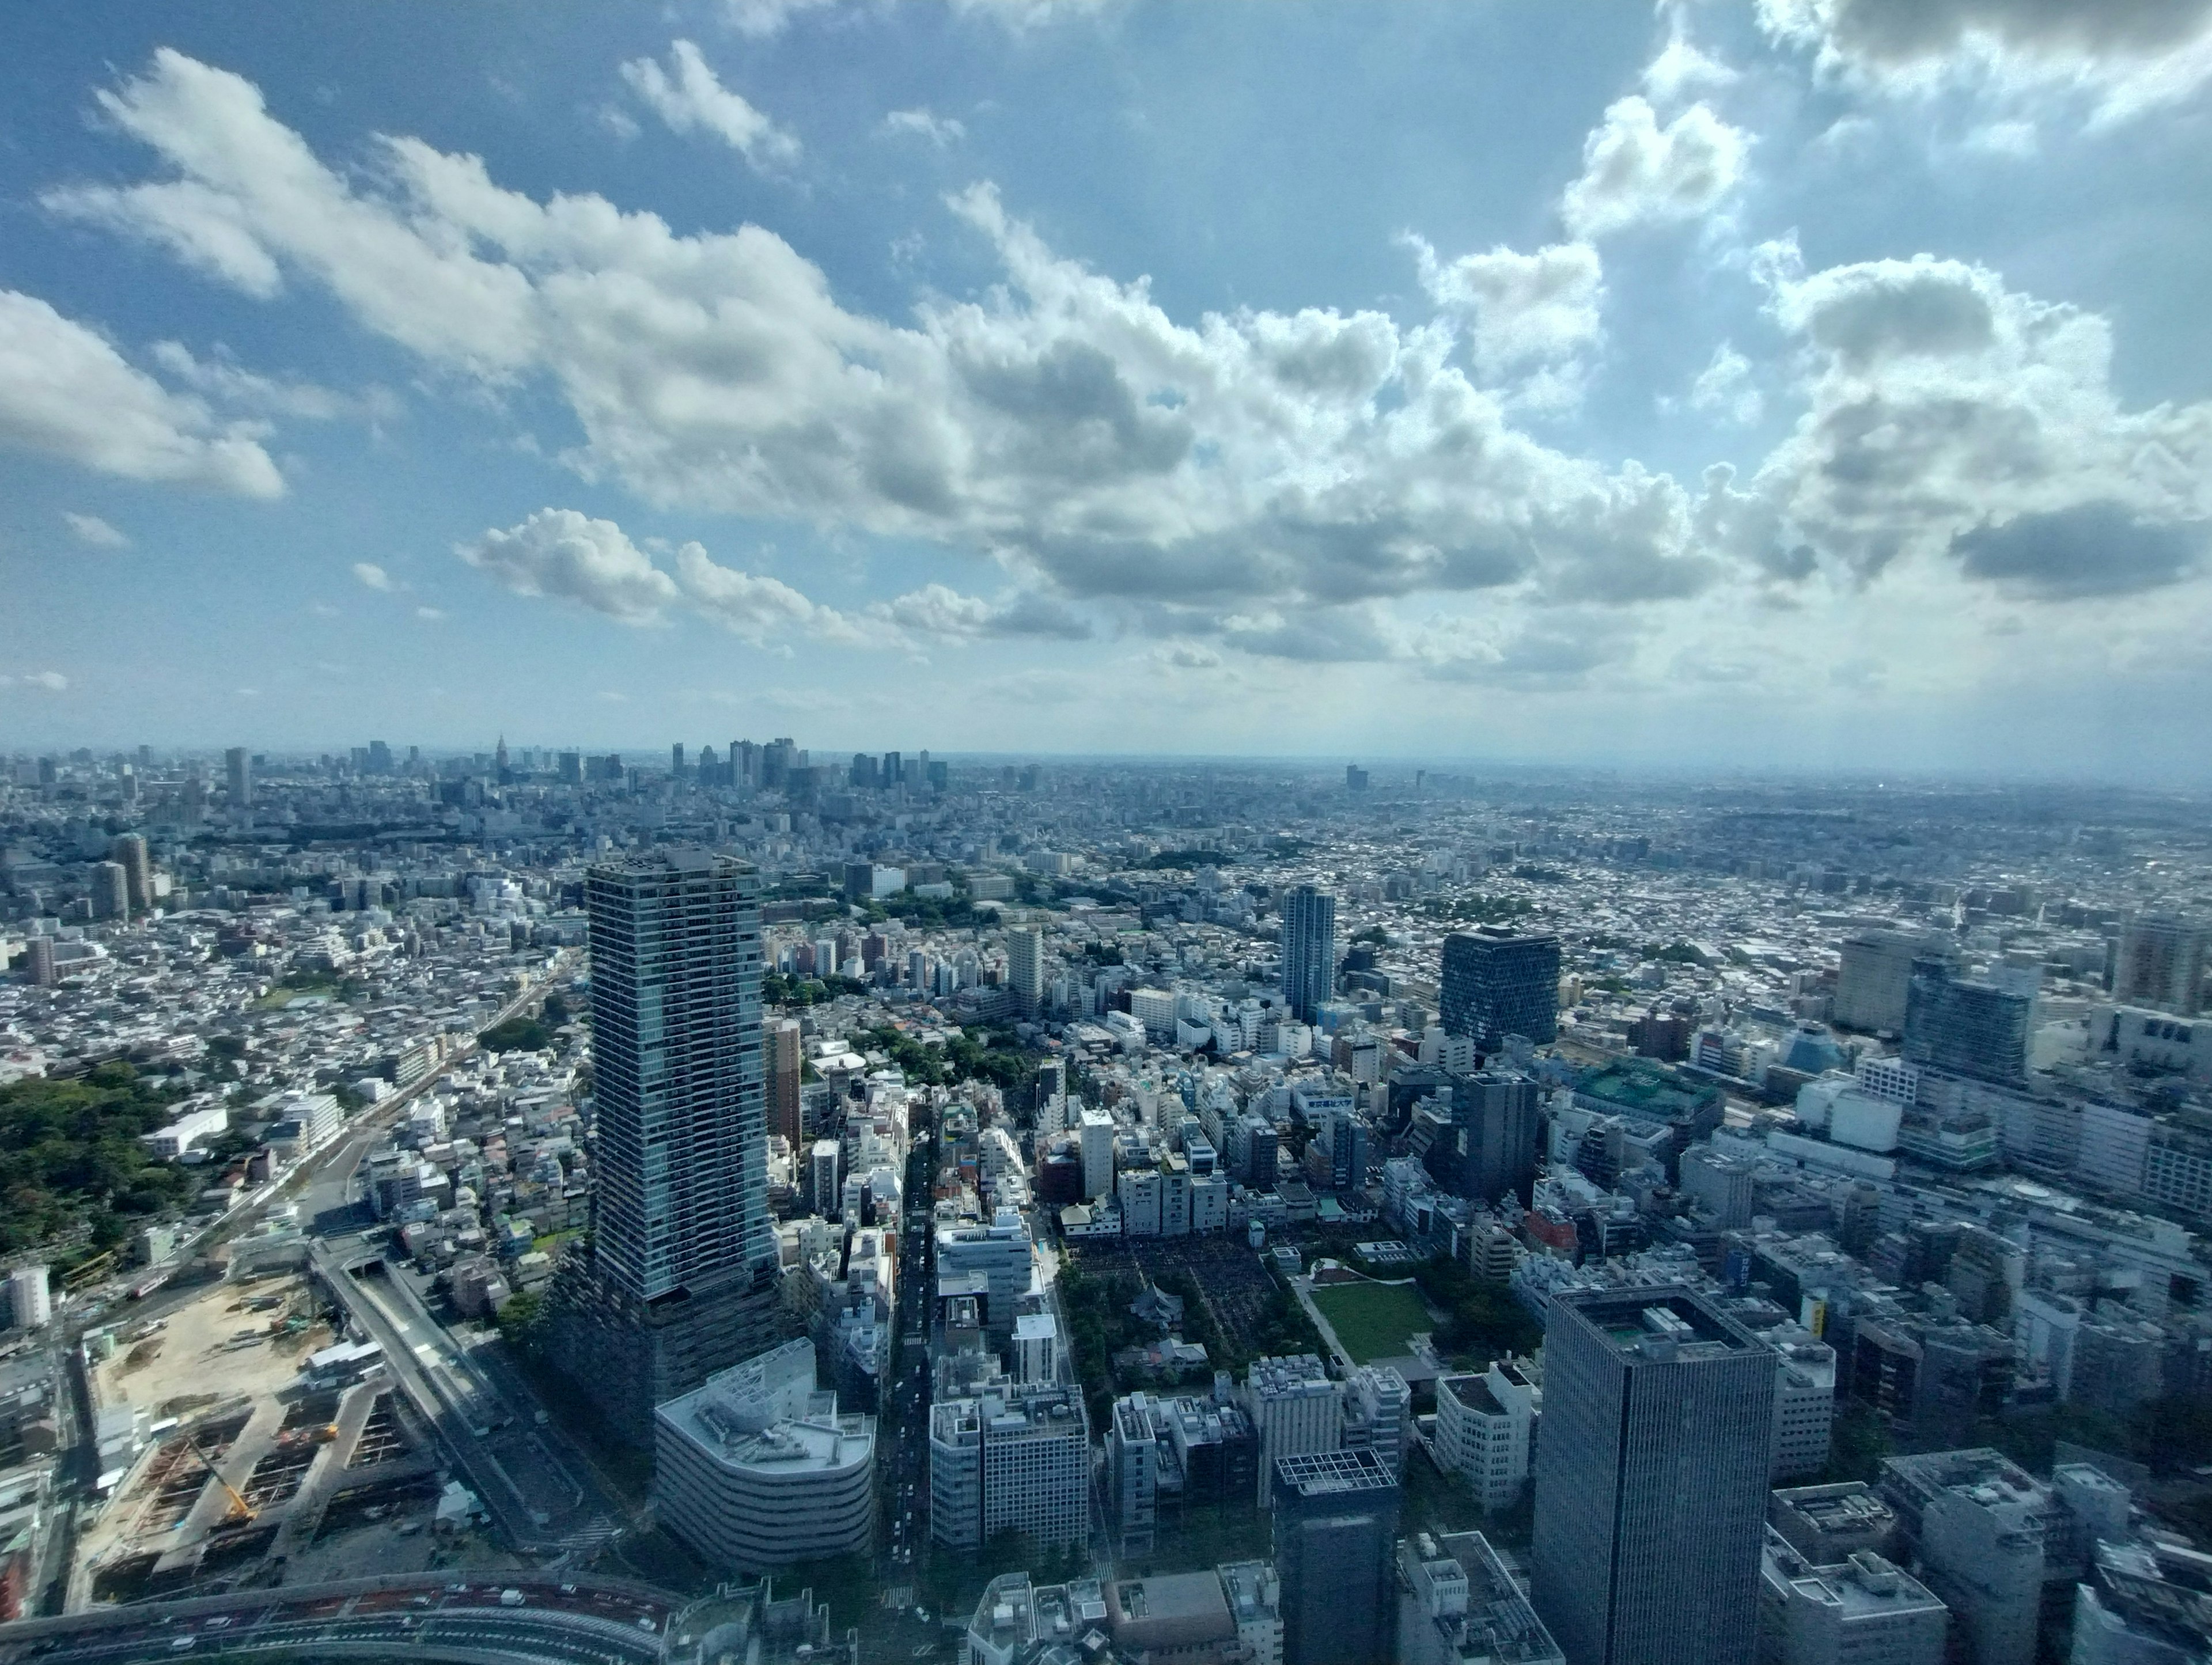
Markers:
(1636, 171)
(2129, 55)
(1682, 70)
(754, 606)
(1949, 415)
(1264, 463)
(373, 576)
(1553, 652)
(91, 529)
(1520, 309)
(937, 610)
(690, 97)
(223, 380)
(66, 393)
(559, 552)
(923, 124)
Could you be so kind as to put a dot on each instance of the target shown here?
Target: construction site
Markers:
(263, 1449)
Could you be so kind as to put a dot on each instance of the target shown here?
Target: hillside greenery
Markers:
(70, 1162)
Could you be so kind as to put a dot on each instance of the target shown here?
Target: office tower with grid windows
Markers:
(238, 772)
(1496, 983)
(1651, 1491)
(2159, 961)
(1335, 1521)
(1308, 949)
(681, 1280)
(1964, 1027)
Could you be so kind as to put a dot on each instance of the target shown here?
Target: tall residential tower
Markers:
(682, 1278)
(1308, 949)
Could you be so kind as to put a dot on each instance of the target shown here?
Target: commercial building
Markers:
(1255, 1602)
(1458, 1605)
(1308, 949)
(1001, 1254)
(1490, 1146)
(1859, 1610)
(1486, 1427)
(782, 1044)
(1651, 1489)
(756, 1469)
(1826, 1524)
(2159, 961)
(1095, 1133)
(1964, 1027)
(1378, 1414)
(2144, 1603)
(1873, 979)
(1011, 1458)
(1978, 1524)
(30, 1298)
(1295, 1409)
(683, 1275)
(1335, 1533)
(1498, 983)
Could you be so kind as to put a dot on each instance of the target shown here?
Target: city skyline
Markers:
(1726, 385)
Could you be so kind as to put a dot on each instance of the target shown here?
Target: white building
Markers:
(1378, 1414)
(1097, 1132)
(756, 1469)
(1255, 1602)
(1295, 1408)
(1010, 1458)
(1001, 1251)
(193, 1128)
(30, 1298)
(1860, 1612)
(1036, 1348)
(1485, 1428)
(1804, 1404)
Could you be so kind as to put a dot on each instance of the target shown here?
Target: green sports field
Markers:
(1373, 1321)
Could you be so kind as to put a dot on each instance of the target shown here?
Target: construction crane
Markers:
(240, 1509)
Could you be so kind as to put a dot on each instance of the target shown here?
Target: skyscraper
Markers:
(1336, 1536)
(239, 775)
(1497, 984)
(1025, 966)
(1308, 949)
(682, 1278)
(111, 891)
(1490, 1147)
(1873, 978)
(1651, 1495)
(782, 1041)
(129, 851)
(1966, 1028)
(2160, 963)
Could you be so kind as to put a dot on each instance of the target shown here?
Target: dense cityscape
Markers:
(763, 1205)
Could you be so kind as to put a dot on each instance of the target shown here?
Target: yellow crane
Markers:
(240, 1509)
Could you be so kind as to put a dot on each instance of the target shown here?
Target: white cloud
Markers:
(430, 615)
(559, 552)
(2124, 57)
(691, 99)
(1636, 171)
(762, 20)
(368, 572)
(66, 393)
(1725, 387)
(923, 124)
(47, 682)
(937, 610)
(1682, 70)
(222, 379)
(91, 529)
(1521, 309)
(1950, 416)
(754, 606)
(1019, 16)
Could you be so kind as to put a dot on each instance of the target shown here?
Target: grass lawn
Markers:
(1374, 1321)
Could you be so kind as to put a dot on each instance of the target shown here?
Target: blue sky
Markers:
(1788, 382)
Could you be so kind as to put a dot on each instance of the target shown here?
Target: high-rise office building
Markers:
(2159, 961)
(1308, 949)
(1336, 1538)
(1651, 1491)
(682, 1278)
(1025, 966)
(239, 773)
(1964, 1027)
(1873, 978)
(1489, 1147)
(1496, 983)
(129, 851)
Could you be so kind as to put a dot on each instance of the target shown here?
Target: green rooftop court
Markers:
(1373, 1321)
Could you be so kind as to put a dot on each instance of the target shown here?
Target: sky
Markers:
(1796, 384)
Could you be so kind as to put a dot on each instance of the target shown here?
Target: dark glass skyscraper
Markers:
(1489, 1148)
(1308, 949)
(681, 1278)
(1497, 984)
(1651, 1495)
(1966, 1028)
(1336, 1540)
